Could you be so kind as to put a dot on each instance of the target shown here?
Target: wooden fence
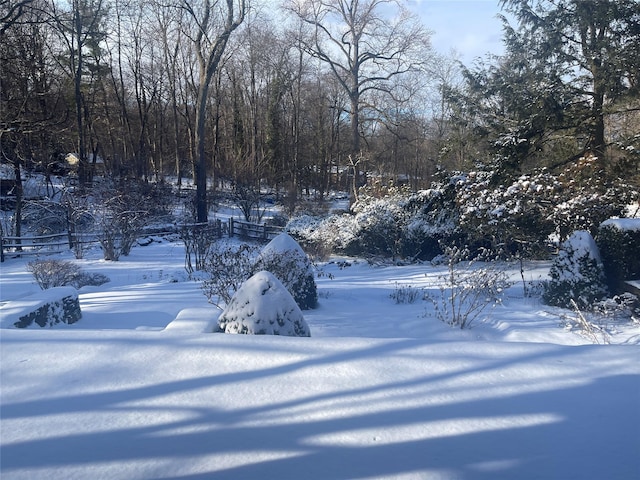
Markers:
(60, 242)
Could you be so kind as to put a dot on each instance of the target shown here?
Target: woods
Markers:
(308, 96)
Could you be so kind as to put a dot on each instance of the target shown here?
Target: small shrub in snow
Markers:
(577, 274)
(59, 273)
(406, 294)
(120, 216)
(263, 306)
(197, 241)
(227, 267)
(468, 288)
(285, 259)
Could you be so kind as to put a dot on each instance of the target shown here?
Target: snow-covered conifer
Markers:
(263, 306)
(576, 274)
(285, 259)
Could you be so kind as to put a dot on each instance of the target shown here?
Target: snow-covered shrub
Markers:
(431, 218)
(511, 219)
(59, 273)
(331, 234)
(406, 293)
(623, 307)
(577, 274)
(397, 224)
(263, 306)
(285, 259)
(467, 289)
(619, 244)
(227, 266)
(589, 197)
(377, 227)
(46, 309)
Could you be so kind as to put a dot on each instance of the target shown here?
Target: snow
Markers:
(137, 390)
(282, 244)
(623, 224)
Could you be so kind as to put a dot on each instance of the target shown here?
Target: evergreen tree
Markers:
(570, 71)
(588, 52)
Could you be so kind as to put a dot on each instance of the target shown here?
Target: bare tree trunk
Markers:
(210, 43)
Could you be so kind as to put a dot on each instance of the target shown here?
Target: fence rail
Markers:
(252, 230)
(60, 242)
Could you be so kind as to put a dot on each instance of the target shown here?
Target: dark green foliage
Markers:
(295, 272)
(65, 310)
(620, 251)
(577, 274)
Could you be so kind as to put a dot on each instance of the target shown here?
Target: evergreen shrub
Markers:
(619, 244)
(577, 274)
(285, 259)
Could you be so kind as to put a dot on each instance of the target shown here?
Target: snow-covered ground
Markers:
(137, 390)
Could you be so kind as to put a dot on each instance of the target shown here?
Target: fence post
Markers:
(230, 227)
(1, 248)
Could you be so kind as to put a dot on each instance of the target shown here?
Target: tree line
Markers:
(314, 95)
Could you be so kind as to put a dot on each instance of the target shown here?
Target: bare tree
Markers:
(10, 12)
(363, 46)
(81, 28)
(211, 23)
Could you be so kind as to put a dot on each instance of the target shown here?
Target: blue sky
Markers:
(468, 26)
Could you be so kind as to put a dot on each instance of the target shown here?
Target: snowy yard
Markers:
(380, 390)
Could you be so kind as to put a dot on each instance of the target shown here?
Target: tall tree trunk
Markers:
(83, 176)
(200, 168)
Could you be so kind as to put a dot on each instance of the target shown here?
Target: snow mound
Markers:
(623, 224)
(263, 306)
(57, 305)
(282, 243)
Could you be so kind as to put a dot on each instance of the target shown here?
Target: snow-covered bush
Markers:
(326, 235)
(377, 227)
(263, 306)
(511, 219)
(285, 259)
(623, 307)
(397, 224)
(590, 196)
(46, 309)
(619, 244)
(431, 219)
(59, 273)
(467, 289)
(227, 267)
(577, 274)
